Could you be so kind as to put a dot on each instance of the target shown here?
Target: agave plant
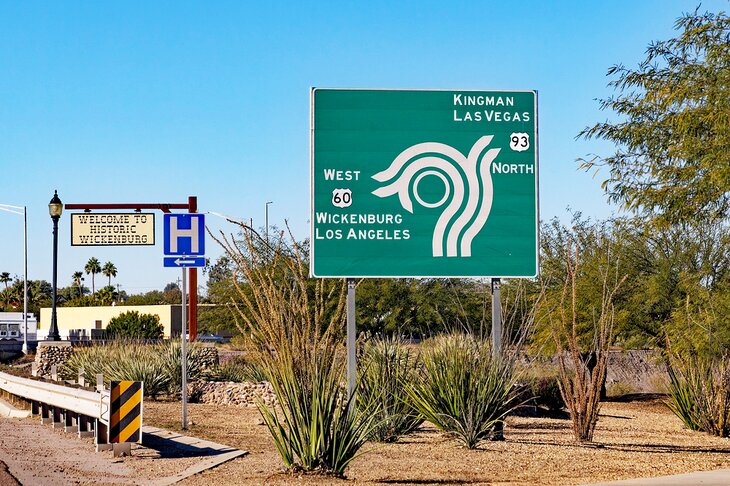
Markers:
(387, 369)
(464, 390)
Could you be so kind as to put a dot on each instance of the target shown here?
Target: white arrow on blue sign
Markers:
(184, 234)
(183, 262)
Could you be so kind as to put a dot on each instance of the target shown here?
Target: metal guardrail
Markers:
(73, 409)
(88, 403)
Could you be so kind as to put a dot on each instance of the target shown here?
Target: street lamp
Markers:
(55, 208)
(266, 221)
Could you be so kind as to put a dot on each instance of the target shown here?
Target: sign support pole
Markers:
(184, 352)
(496, 319)
(498, 430)
(351, 334)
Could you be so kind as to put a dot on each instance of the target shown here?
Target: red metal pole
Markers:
(193, 274)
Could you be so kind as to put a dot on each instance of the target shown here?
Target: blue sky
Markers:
(156, 101)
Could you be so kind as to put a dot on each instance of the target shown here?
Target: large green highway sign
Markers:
(429, 183)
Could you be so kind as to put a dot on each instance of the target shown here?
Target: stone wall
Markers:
(641, 371)
(209, 357)
(48, 355)
(230, 393)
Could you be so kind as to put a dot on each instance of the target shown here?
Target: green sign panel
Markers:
(424, 183)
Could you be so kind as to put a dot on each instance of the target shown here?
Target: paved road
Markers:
(721, 477)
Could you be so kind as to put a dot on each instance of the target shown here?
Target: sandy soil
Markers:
(638, 439)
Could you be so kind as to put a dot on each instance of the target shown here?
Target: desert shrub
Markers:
(293, 324)
(239, 370)
(699, 393)
(619, 389)
(386, 369)
(132, 324)
(464, 390)
(545, 392)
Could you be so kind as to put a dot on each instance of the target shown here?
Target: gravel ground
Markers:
(638, 439)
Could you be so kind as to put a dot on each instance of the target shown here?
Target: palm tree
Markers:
(93, 267)
(109, 270)
(5, 278)
(77, 278)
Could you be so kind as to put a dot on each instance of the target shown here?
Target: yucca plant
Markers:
(699, 393)
(317, 429)
(464, 390)
(293, 324)
(386, 369)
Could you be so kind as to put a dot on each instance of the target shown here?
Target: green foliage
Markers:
(420, 306)
(386, 369)
(464, 391)
(92, 267)
(132, 324)
(674, 131)
(109, 270)
(39, 295)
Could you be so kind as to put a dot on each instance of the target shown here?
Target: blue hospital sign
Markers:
(184, 234)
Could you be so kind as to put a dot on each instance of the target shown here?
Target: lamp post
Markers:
(266, 221)
(55, 208)
(16, 210)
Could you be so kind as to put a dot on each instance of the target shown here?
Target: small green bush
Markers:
(387, 369)
(464, 391)
(132, 324)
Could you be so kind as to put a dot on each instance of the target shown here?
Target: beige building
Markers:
(82, 322)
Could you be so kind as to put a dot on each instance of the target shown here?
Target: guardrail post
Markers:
(54, 372)
(34, 369)
(84, 426)
(81, 380)
(34, 408)
(71, 422)
(100, 382)
(58, 417)
(101, 436)
(46, 413)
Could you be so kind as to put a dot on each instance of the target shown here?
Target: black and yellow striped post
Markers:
(125, 414)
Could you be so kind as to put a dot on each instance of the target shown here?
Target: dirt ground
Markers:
(636, 439)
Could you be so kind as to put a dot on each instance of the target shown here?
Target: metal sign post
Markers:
(351, 339)
(184, 352)
(496, 319)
